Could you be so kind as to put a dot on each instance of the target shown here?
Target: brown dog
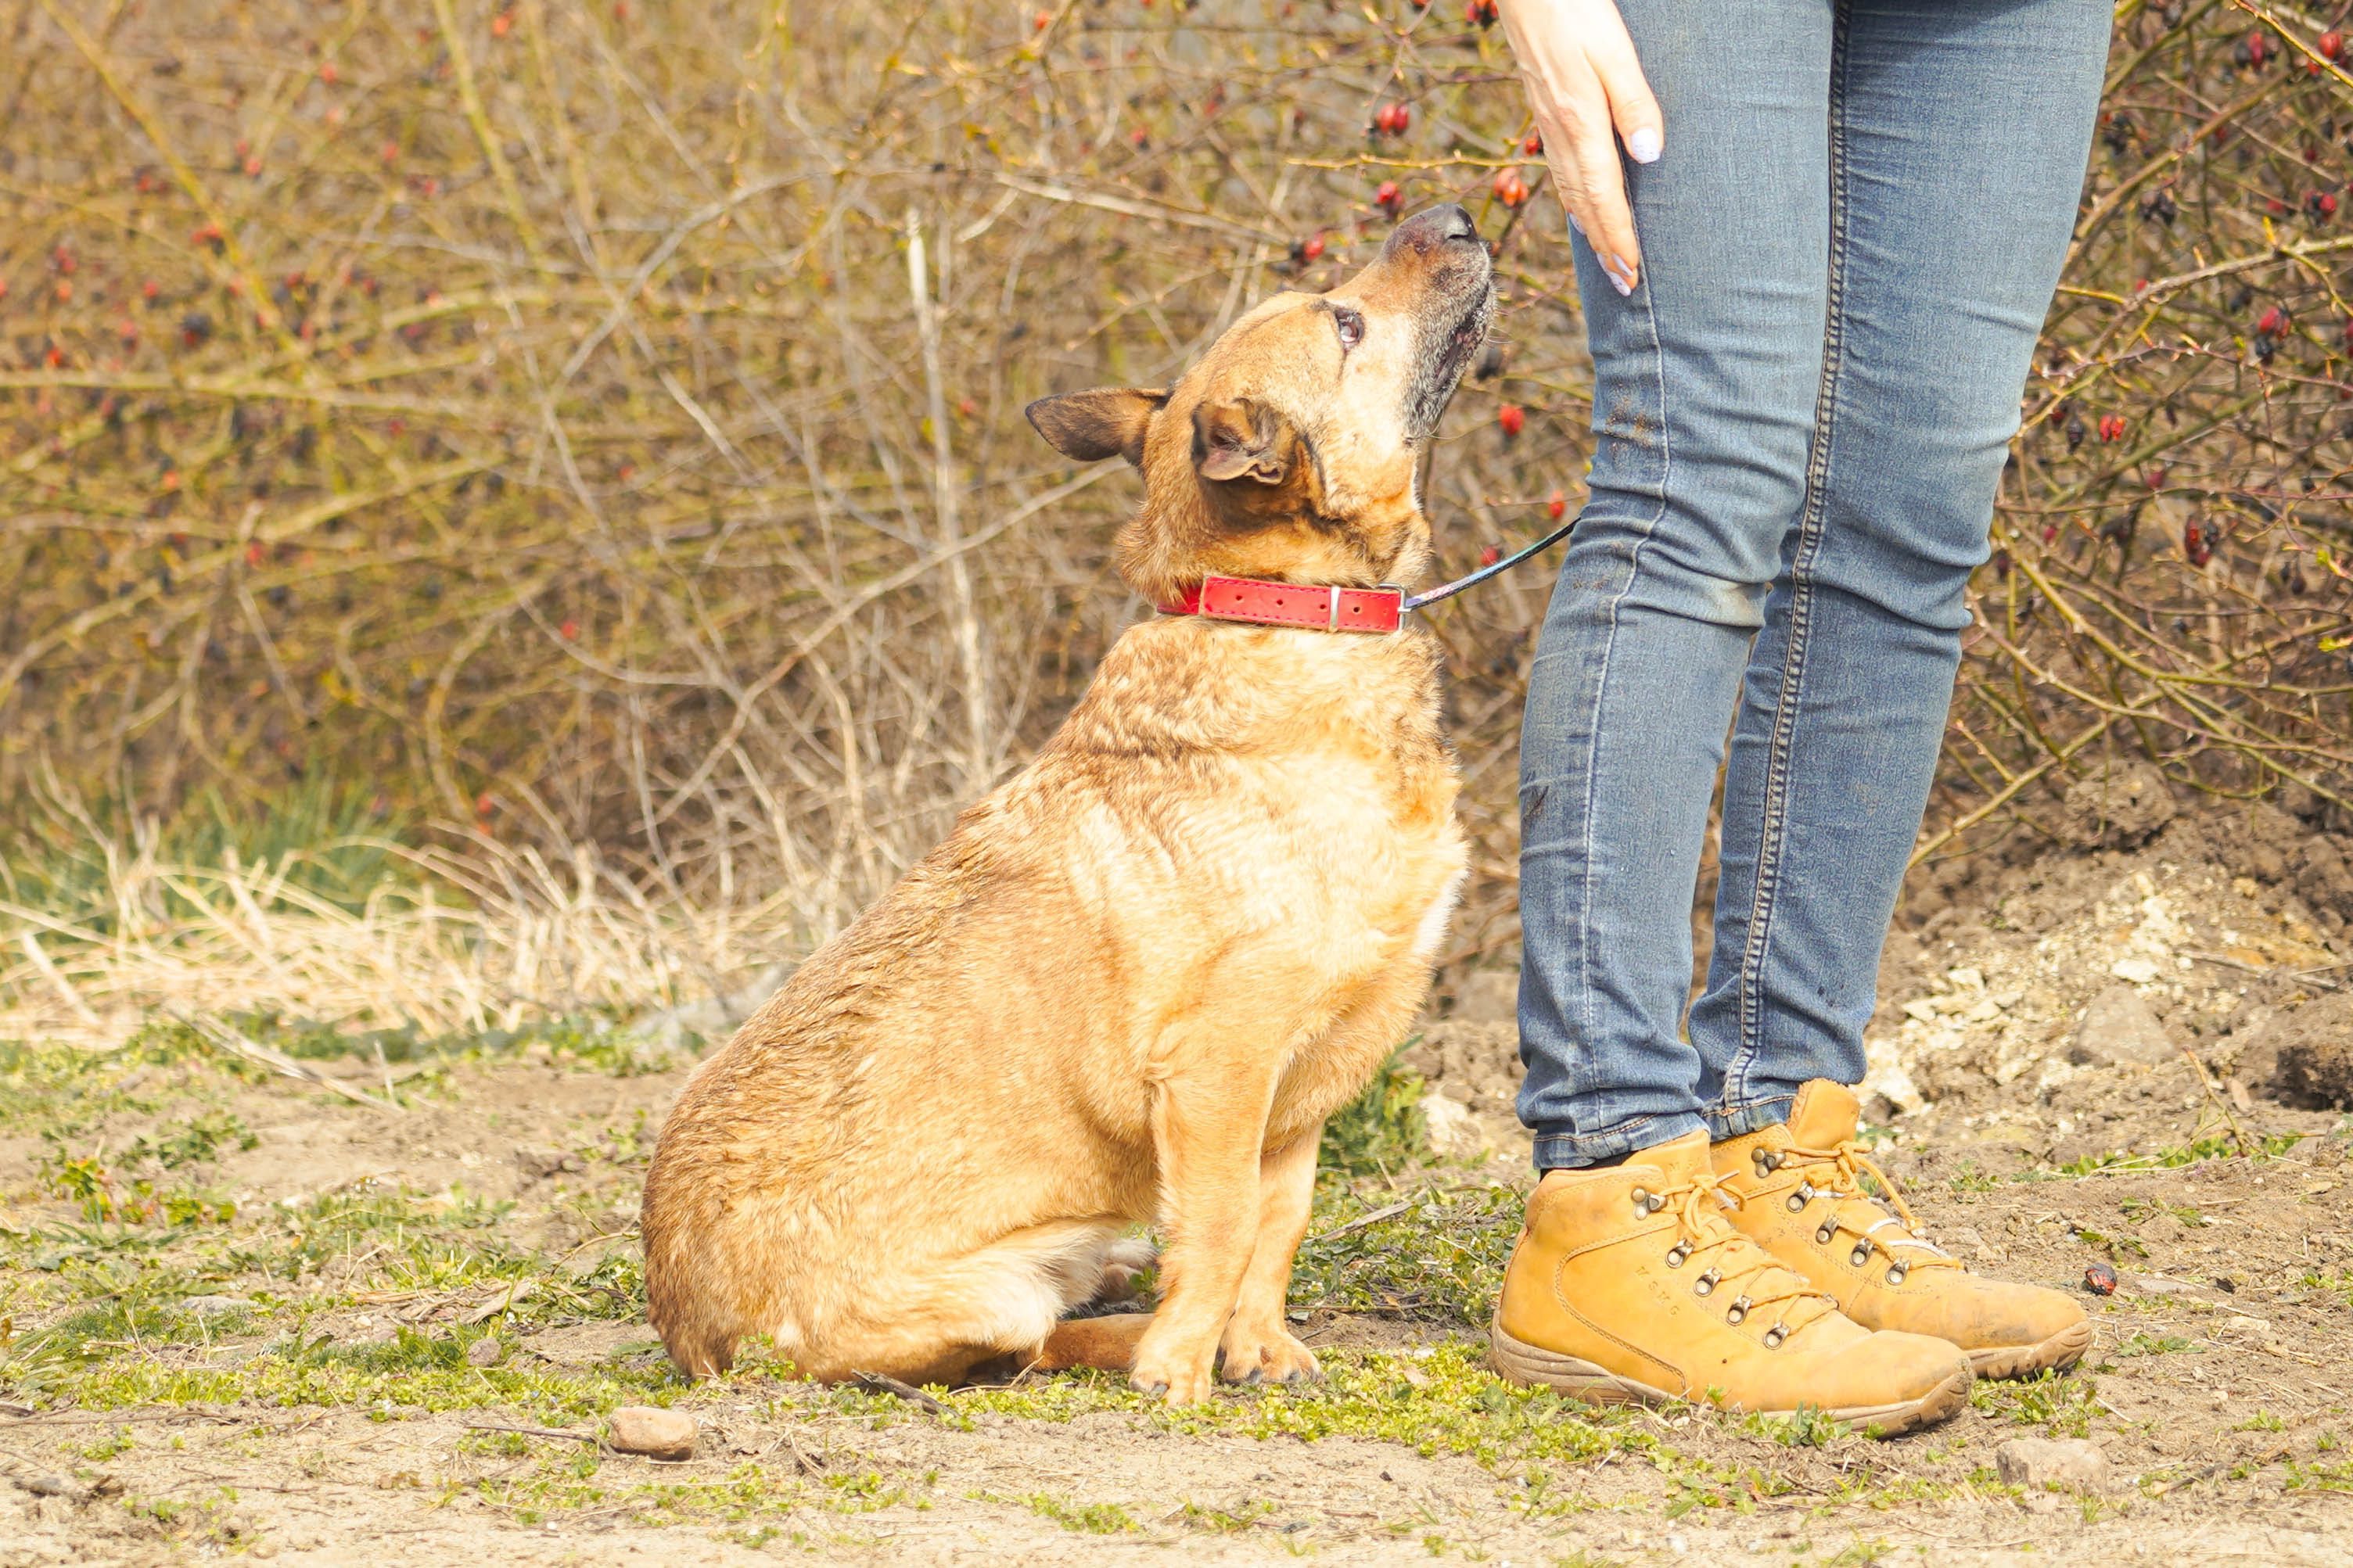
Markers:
(1137, 978)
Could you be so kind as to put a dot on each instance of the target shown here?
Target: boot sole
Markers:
(1534, 1366)
(2063, 1349)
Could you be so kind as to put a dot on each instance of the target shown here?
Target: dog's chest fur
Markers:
(1265, 816)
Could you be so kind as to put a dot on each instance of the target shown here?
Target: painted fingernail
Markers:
(1644, 145)
(1574, 225)
(1620, 284)
(1620, 275)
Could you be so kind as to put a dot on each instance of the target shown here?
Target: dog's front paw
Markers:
(1176, 1378)
(1265, 1355)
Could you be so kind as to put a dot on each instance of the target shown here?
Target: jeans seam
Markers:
(1810, 529)
(1584, 960)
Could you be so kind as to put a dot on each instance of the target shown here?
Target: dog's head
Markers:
(1291, 450)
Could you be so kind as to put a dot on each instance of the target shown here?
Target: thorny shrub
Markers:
(598, 427)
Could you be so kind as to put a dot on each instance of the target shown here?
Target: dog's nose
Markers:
(1429, 231)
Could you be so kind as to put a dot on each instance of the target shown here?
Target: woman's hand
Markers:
(1587, 91)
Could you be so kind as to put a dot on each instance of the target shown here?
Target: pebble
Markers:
(656, 1433)
(214, 1306)
(2036, 1463)
(2119, 1030)
(485, 1351)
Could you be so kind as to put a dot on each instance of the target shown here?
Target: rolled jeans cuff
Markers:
(1562, 1151)
(1731, 1120)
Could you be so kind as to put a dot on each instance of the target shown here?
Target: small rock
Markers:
(1453, 1132)
(214, 1306)
(2118, 1030)
(48, 1486)
(486, 1351)
(538, 1165)
(2100, 1279)
(2118, 808)
(657, 1434)
(2037, 1463)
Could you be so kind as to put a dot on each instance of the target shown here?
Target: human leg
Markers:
(1705, 385)
(1959, 131)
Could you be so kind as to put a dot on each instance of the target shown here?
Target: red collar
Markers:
(1317, 606)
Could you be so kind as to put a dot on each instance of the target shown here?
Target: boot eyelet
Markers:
(1801, 1197)
(1775, 1335)
(1645, 1202)
(1765, 1159)
(1895, 1272)
(1677, 1254)
(1706, 1282)
(1861, 1255)
(1827, 1234)
(1736, 1312)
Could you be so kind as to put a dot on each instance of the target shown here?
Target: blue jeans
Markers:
(1800, 417)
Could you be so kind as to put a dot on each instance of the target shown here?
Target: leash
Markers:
(1448, 590)
(1328, 607)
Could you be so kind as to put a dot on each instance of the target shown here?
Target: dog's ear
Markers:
(1108, 422)
(1243, 440)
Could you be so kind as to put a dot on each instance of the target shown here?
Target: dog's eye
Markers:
(1350, 325)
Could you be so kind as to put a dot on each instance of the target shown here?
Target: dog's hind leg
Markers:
(1107, 1345)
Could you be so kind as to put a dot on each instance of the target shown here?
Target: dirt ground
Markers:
(248, 1313)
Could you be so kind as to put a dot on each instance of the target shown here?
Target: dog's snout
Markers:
(1428, 231)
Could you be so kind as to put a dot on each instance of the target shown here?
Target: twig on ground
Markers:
(1371, 1217)
(880, 1383)
(588, 1437)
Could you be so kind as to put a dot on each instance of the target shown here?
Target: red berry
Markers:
(1042, 20)
(2332, 44)
(1511, 417)
(485, 803)
(390, 153)
(501, 24)
(1510, 189)
(254, 553)
(150, 288)
(327, 73)
(65, 290)
(1490, 555)
(1557, 507)
(1533, 144)
(56, 356)
(1313, 248)
(570, 630)
(2272, 323)
(1481, 12)
(1387, 196)
(2322, 203)
(1140, 138)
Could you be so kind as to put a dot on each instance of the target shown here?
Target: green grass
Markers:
(325, 844)
(2269, 1145)
(1381, 1131)
(2062, 1404)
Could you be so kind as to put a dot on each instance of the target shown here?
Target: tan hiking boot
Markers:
(1802, 1199)
(1628, 1284)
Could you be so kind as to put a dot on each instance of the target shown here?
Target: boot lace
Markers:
(1729, 1264)
(1837, 1173)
